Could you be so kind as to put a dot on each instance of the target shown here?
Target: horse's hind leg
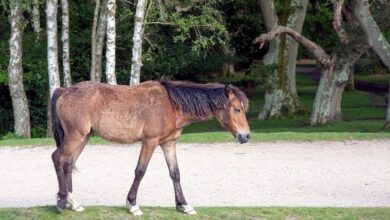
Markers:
(148, 147)
(59, 167)
(64, 158)
(169, 150)
(68, 170)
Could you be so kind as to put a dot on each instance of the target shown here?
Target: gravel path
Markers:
(352, 173)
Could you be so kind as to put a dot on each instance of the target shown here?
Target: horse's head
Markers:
(233, 116)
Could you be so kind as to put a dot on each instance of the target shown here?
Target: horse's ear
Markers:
(228, 89)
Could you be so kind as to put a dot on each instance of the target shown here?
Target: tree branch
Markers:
(319, 54)
(337, 17)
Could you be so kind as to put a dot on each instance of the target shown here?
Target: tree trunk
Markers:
(52, 45)
(101, 33)
(351, 81)
(376, 39)
(52, 51)
(281, 98)
(295, 22)
(110, 50)
(136, 59)
(327, 103)
(65, 43)
(93, 75)
(387, 121)
(15, 74)
(36, 18)
(335, 71)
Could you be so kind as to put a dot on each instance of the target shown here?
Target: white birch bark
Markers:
(136, 59)
(52, 45)
(110, 49)
(93, 75)
(36, 18)
(101, 33)
(65, 44)
(15, 74)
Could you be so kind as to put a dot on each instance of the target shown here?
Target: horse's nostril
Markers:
(243, 138)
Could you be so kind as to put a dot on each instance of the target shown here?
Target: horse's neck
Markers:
(183, 120)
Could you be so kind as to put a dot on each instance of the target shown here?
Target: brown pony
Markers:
(154, 112)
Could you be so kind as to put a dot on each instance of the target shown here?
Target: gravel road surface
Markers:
(342, 174)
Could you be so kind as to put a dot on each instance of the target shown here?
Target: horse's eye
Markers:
(237, 110)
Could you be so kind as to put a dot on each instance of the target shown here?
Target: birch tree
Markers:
(52, 47)
(93, 75)
(281, 95)
(110, 48)
(15, 73)
(97, 40)
(52, 54)
(36, 18)
(101, 33)
(136, 59)
(65, 43)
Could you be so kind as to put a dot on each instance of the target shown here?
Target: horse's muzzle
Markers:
(243, 138)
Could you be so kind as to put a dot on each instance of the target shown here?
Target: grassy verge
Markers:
(224, 137)
(203, 213)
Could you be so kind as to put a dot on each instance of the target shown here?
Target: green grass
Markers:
(49, 212)
(381, 79)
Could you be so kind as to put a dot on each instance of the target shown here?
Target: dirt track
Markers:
(256, 174)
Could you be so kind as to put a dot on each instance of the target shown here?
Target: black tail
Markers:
(56, 126)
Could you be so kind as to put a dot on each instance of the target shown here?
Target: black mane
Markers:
(201, 100)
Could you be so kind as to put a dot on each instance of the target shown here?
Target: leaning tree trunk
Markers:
(52, 52)
(65, 43)
(327, 103)
(136, 59)
(110, 50)
(15, 74)
(36, 18)
(376, 39)
(281, 98)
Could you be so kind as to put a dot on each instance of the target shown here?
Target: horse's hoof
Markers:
(135, 210)
(78, 209)
(186, 209)
(59, 210)
(72, 204)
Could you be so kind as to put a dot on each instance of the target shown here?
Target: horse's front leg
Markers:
(170, 157)
(147, 149)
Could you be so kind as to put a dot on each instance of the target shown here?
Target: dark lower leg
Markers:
(174, 172)
(179, 197)
(147, 150)
(68, 169)
(62, 192)
(139, 173)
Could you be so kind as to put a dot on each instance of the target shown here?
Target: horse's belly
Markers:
(119, 127)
